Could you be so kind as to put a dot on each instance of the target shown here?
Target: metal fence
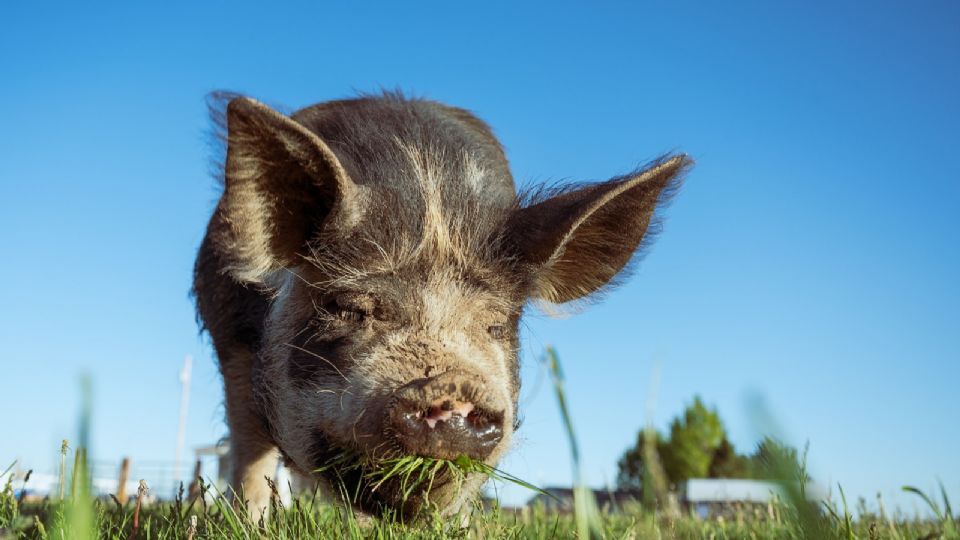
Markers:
(161, 477)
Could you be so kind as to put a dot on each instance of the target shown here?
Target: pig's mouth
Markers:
(436, 439)
(395, 481)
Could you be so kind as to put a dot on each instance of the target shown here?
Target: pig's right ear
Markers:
(282, 184)
(578, 241)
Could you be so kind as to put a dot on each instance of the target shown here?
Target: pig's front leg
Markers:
(253, 455)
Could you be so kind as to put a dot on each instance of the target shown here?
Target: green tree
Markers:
(694, 438)
(727, 463)
(632, 472)
(693, 444)
(697, 447)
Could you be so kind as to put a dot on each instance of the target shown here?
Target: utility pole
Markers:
(182, 423)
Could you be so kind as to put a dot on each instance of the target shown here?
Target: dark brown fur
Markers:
(363, 249)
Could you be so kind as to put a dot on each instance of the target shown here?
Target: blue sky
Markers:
(811, 259)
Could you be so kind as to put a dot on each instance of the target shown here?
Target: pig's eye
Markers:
(351, 307)
(349, 315)
(497, 331)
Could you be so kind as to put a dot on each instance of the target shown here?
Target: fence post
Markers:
(194, 490)
(122, 481)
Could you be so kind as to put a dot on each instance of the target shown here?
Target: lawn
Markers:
(79, 517)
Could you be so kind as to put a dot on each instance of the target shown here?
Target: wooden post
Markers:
(122, 481)
(194, 490)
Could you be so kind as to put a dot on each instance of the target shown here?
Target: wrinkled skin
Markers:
(364, 274)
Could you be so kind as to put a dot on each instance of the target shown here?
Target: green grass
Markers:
(586, 515)
(415, 472)
(307, 517)
(74, 514)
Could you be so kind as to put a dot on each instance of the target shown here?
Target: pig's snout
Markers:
(446, 416)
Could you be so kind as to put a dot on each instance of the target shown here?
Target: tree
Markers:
(727, 463)
(697, 447)
(632, 472)
(694, 438)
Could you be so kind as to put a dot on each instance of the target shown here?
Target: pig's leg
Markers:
(304, 484)
(253, 455)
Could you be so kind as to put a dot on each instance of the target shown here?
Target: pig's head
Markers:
(398, 259)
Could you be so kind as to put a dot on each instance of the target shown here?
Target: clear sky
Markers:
(811, 259)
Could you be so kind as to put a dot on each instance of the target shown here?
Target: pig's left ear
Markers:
(578, 241)
(282, 184)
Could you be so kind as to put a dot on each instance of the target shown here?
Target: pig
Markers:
(363, 275)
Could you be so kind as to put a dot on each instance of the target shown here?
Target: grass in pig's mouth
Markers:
(416, 472)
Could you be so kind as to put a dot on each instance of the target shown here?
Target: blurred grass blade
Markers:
(930, 502)
(947, 510)
(80, 521)
(586, 514)
(790, 480)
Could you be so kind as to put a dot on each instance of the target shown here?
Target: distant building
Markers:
(560, 499)
(719, 496)
(220, 453)
(213, 464)
(705, 496)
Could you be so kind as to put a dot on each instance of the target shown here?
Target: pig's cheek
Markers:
(342, 411)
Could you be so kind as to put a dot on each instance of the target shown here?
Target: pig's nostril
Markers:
(476, 419)
(442, 411)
